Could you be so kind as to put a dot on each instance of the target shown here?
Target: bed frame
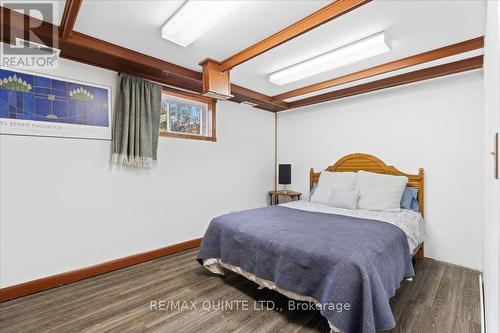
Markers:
(366, 162)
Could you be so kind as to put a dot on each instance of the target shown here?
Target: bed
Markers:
(347, 262)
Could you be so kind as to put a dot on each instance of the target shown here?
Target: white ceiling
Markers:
(137, 25)
(414, 27)
(57, 7)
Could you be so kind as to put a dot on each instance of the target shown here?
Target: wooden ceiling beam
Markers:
(324, 15)
(97, 45)
(96, 52)
(71, 9)
(90, 50)
(443, 52)
(242, 94)
(420, 75)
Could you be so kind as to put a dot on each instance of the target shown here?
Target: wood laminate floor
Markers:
(442, 298)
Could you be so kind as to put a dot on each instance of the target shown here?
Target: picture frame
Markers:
(35, 104)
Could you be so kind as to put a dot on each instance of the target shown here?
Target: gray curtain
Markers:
(137, 122)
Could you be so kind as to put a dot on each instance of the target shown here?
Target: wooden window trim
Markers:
(197, 98)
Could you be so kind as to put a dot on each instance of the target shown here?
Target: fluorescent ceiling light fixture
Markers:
(348, 54)
(194, 18)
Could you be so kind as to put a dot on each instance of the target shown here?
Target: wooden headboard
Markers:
(366, 162)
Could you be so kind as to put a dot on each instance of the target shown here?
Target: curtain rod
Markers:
(163, 84)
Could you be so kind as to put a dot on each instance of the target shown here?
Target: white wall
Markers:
(63, 207)
(492, 187)
(435, 124)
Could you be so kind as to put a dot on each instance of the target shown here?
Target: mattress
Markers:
(412, 223)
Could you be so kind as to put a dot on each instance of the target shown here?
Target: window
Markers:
(185, 115)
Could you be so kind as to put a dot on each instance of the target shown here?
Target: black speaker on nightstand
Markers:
(285, 174)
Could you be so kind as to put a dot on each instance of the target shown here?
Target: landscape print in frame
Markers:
(44, 105)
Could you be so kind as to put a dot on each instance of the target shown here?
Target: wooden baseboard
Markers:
(57, 280)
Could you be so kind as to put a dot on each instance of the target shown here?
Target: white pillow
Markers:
(329, 180)
(379, 191)
(344, 199)
(379, 200)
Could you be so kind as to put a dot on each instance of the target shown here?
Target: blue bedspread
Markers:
(334, 259)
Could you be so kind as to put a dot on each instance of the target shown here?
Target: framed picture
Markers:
(43, 105)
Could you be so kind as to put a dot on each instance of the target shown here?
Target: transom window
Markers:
(185, 115)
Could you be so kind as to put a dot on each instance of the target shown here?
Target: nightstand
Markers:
(274, 196)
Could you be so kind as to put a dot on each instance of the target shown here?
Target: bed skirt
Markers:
(216, 266)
